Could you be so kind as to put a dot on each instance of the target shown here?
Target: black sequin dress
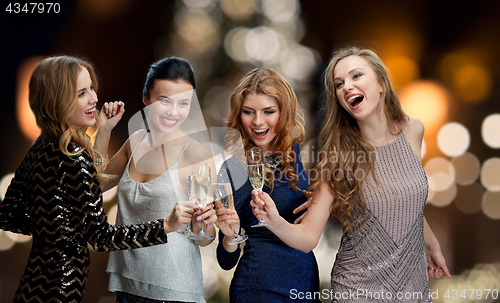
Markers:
(57, 199)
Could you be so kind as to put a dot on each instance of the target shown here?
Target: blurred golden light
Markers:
(467, 168)
(25, 116)
(490, 174)
(197, 3)
(237, 9)
(468, 77)
(293, 29)
(490, 131)
(262, 43)
(444, 198)
(234, 44)
(4, 184)
(280, 10)
(6, 243)
(441, 172)
(453, 139)
(298, 62)
(467, 198)
(450, 63)
(427, 101)
(403, 70)
(473, 82)
(491, 204)
(198, 29)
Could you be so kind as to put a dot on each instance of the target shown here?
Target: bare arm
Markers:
(436, 264)
(303, 236)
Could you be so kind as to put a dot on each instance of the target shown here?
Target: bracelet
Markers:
(98, 161)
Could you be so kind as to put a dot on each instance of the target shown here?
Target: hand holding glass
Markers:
(202, 183)
(224, 193)
(256, 173)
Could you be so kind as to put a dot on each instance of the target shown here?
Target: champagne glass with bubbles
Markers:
(202, 184)
(224, 193)
(185, 228)
(256, 173)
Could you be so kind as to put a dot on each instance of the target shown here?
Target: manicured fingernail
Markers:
(199, 218)
(198, 212)
(114, 113)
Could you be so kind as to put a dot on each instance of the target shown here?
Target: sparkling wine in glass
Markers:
(185, 228)
(202, 183)
(224, 193)
(256, 173)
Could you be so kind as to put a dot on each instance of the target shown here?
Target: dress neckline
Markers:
(390, 143)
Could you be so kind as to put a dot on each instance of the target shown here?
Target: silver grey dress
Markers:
(384, 260)
(170, 272)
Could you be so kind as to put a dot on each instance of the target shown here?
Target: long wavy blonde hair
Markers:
(290, 127)
(341, 135)
(53, 95)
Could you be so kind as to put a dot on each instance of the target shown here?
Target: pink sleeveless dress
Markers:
(384, 259)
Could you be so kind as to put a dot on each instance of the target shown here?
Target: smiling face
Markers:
(259, 117)
(169, 102)
(357, 87)
(85, 111)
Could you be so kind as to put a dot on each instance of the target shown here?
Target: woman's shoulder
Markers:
(413, 128)
(197, 151)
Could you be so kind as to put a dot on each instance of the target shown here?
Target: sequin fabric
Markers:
(268, 270)
(57, 199)
(384, 259)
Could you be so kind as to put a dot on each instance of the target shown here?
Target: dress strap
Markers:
(135, 147)
(182, 152)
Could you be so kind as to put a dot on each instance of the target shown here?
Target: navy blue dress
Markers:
(269, 270)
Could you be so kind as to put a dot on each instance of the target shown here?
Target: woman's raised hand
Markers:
(205, 214)
(111, 113)
(227, 219)
(302, 207)
(263, 207)
(181, 214)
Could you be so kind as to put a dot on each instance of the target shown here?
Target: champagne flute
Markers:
(256, 173)
(202, 183)
(224, 193)
(185, 228)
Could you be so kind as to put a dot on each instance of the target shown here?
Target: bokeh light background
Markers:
(443, 58)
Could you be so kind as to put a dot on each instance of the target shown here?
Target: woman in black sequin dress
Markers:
(55, 195)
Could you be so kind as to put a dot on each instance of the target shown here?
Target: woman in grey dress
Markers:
(153, 165)
(371, 178)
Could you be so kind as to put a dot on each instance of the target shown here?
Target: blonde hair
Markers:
(53, 95)
(341, 134)
(290, 127)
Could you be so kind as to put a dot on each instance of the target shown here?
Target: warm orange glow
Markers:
(468, 75)
(25, 116)
(403, 70)
(473, 82)
(427, 101)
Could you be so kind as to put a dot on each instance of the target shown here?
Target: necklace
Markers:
(273, 165)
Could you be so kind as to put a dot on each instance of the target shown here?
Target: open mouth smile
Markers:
(260, 133)
(168, 122)
(91, 112)
(355, 101)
